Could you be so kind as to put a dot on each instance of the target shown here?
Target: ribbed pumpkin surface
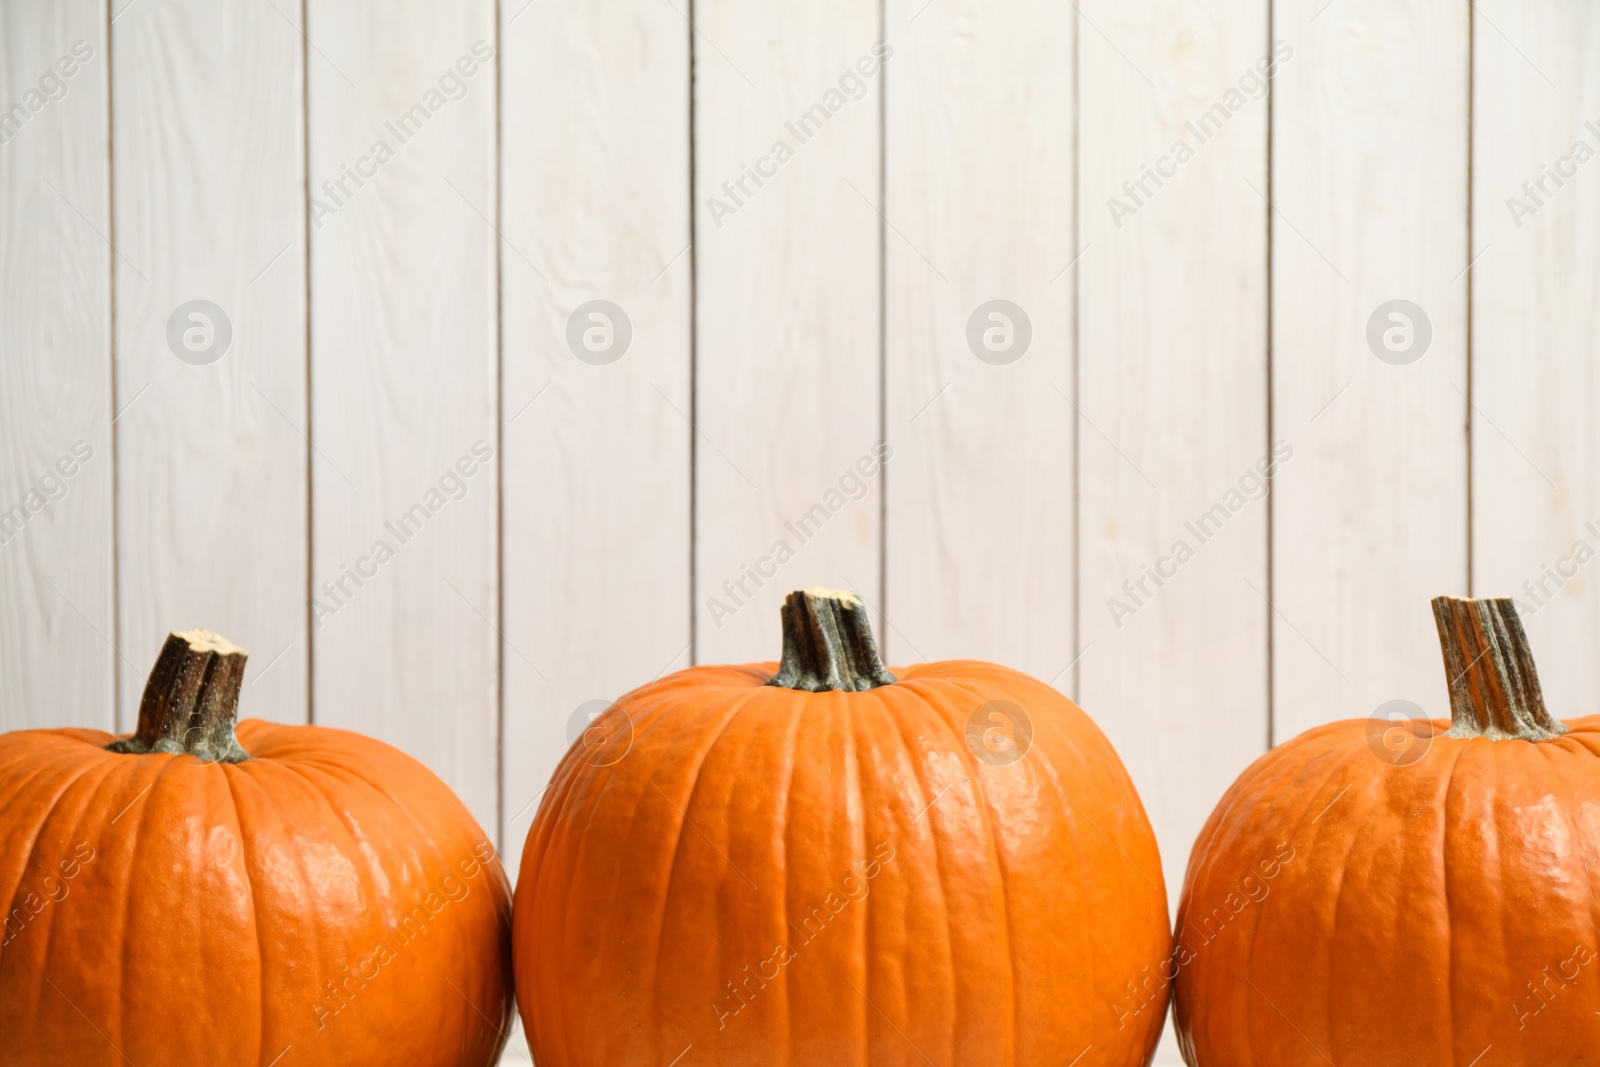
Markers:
(772, 877)
(327, 901)
(1439, 912)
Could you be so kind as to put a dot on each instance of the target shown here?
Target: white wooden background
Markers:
(377, 337)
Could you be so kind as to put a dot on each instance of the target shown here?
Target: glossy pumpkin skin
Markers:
(169, 912)
(1429, 911)
(873, 892)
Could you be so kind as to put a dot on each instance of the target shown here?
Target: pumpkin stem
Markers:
(191, 700)
(828, 644)
(1494, 686)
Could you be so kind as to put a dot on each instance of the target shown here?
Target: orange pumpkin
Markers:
(1405, 893)
(836, 864)
(173, 901)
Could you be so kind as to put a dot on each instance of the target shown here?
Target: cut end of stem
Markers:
(828, 644)
(1494, 686)
(191, 700)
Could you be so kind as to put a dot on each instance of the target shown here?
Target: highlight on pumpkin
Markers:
(824, 860)
(304, 895)
(715, 891)
(1394, 880)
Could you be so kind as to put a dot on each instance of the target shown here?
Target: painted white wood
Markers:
(788, 355)
(981, 556)
(596, 207)
(516, 1052)
(1369, 180)
(404, 370)
(57, 625)
(1536, 330)
(1175, 417)
(211, 469)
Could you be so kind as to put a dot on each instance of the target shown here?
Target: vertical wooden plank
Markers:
(596, 207)
(1535, 332)
(516, 1052)
(1369, 179)
(57, 661)
(210, 202)
(981, 553)
(1175, 660)
(788, 361)
(404, 370)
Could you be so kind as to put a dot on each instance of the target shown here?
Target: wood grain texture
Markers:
(1369, 179)
(57, 625)
(788, 358)
(596, 207)
(981, 555)
(210, 205)
(404, 374)
(1176, 415)
(1535, 331)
